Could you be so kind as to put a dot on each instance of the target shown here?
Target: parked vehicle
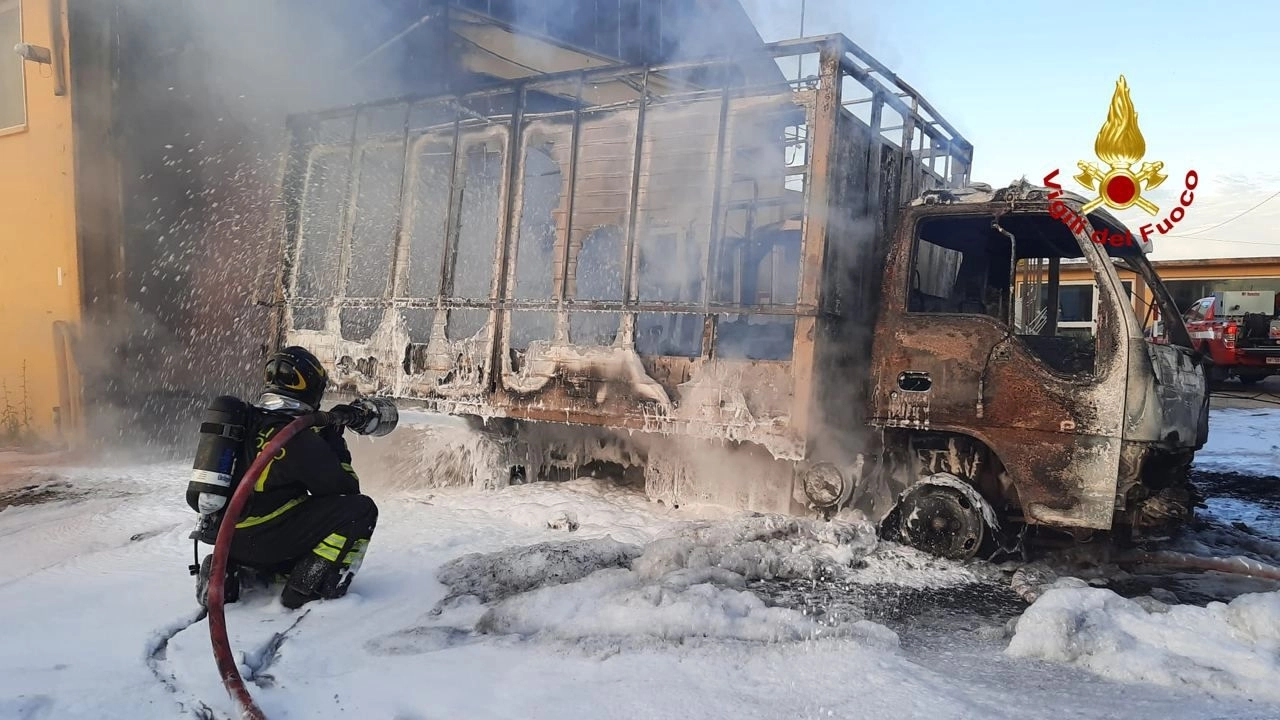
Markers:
(775, 295)
(1240, 330)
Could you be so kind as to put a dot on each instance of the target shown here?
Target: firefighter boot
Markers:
(308, 580)
(230, 585)
(337, 584)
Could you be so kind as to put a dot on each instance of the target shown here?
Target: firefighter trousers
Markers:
(334, 527)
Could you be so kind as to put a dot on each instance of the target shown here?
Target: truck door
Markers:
(950, 357)
(1198, 319)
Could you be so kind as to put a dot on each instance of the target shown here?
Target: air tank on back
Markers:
(221, 435)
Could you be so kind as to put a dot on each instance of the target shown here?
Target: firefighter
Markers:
(306, 513)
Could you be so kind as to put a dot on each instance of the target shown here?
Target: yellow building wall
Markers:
(39, 278)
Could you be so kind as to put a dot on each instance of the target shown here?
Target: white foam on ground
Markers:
(682, 604)
(761, 547)
(91, 583)
(687, 584)
(1221, 648)
(1243, 441)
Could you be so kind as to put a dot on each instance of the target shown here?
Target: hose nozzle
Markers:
(366, 416)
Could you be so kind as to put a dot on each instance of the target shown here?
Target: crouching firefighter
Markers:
(306, 516)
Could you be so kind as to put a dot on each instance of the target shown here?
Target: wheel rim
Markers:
(942, 521)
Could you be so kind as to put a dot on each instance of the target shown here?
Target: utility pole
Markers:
(800, 58)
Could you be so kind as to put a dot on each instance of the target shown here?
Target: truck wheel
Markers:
(1218, 375)
(942, 521)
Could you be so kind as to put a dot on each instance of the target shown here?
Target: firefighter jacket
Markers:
(314, 462)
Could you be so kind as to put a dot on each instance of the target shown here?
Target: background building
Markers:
(1187, 281)
(40, 296)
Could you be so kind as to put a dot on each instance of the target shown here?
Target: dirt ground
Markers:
(24, 475)
(1232, 394)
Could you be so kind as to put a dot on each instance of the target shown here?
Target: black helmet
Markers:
(296, 373)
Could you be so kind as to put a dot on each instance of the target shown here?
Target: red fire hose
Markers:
(1237, 565)
(231, 679)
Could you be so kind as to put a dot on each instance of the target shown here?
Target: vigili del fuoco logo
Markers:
(1120, 146)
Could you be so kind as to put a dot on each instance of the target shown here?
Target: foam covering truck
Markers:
(732, 288)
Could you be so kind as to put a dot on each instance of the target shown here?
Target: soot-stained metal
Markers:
(648, 262)
(692, 256)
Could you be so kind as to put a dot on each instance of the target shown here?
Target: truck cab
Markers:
(1240, 331)
(976, 378)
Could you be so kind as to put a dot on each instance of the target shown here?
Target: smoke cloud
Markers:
(201, 94)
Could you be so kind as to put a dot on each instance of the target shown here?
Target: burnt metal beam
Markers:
(874, 143)
(346, 220)
(575, 139)
(452, 214)
(717, 192)
(814, 44)
(507, 249)
(631, 257)
(405, 201)
(1051, 304)
(601, 306)
(935, 126)
(820, 191)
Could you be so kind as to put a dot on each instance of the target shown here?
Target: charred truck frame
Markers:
(775, 295)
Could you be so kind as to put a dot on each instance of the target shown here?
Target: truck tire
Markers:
(944, 516)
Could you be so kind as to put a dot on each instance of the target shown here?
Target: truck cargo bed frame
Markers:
(688, 169)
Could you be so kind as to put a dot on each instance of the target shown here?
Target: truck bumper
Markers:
(1266, 357)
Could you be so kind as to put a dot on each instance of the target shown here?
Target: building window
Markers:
(1075, 302)
(13, 101)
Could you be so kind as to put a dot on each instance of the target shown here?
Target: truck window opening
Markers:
(429, 220)
(540, 194)
(597, 276)
(478, 222)
(961, 266)
(320, 244)
(1163, 307)
(759, 268)
(669, 271)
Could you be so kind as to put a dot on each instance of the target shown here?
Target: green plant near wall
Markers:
(15, 420)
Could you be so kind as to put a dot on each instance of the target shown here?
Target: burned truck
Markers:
(741, 290)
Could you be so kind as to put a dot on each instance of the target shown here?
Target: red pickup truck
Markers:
(1240, 330)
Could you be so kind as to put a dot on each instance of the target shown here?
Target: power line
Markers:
(1271, 197)
(1217, 240)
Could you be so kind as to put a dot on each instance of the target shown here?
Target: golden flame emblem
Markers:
(1120, 145)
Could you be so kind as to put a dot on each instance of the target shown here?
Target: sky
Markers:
(1029, 85)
